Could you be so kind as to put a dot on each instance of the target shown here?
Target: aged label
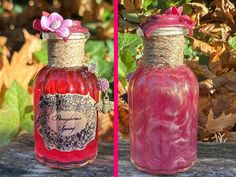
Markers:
(67, 122)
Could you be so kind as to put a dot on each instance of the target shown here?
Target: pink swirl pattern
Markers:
(163, 112)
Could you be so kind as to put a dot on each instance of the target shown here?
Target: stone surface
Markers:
(17, 159)
(214, 160)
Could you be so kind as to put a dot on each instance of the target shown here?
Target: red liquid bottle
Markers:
(65, 94)
(163, 102)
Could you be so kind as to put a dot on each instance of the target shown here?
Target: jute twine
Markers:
(66, 54)
(164, 50)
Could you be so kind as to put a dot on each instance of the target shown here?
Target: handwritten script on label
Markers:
(67, 122)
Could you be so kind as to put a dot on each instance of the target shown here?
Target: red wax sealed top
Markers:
(171, 18)
(77, 28)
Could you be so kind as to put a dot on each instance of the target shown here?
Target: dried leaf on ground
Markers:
(200, 69)
(131, 5)
(124, 119)
(105, 126)
(221, 123)
(199, 11)
(231, 136)
(227, 81)
(202, 46)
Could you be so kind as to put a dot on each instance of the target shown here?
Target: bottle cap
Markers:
(77, 28)
(171, 18)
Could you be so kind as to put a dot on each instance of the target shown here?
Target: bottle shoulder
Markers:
(47, 71)
(66, 80)
(160, 75)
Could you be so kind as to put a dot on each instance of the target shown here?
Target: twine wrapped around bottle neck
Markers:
(66, 54)
(164, 50)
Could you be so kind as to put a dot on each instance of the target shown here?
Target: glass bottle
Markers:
(163, 102)
(65, 94)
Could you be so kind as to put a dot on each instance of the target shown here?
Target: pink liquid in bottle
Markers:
(163, 109)
(51, 80)
(65, 95)
(163, 98)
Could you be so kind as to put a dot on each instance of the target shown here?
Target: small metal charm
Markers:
(105, 106)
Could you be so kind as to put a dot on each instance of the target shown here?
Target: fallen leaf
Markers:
(202, 46)
(227, 80)
(231, 136)
(3, 41)
(199, 11)
(13, 112)
(221, 123)
(105, 126)
(123, 112)
(227, 7)
(131, 5)
(203, 133)
(200, 69)
(21, 68)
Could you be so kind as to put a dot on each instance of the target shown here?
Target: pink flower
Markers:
(53, 22)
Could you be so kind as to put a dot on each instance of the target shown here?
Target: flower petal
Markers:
(66, 23)
(63, 32)
(45, 24)
(180, 10)
(46, 14)
(54, 17)
(37, 25)
(175, 11)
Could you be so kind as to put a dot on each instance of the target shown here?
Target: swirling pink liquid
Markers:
(163, 111)
(51, 80)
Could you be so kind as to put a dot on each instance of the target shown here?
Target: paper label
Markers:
(67, 122)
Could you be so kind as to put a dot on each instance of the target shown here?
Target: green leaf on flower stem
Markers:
(129, 41)
(188, 51)
(122, 69)
(17, 9)
(128, 60)
(128, 45)
(163, 4)
(110, 46)
(42, 55)
(27, 122)
(150, 4)
(95, 47)
(13, 112)
(232, 42)
(97, 51)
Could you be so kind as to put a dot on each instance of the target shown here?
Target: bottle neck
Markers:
(66, 54)
(164, 50)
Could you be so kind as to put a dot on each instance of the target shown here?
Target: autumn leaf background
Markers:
(210, 53)
(23, 53)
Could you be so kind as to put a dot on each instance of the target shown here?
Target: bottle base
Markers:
(163, 172)
(65, 165)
